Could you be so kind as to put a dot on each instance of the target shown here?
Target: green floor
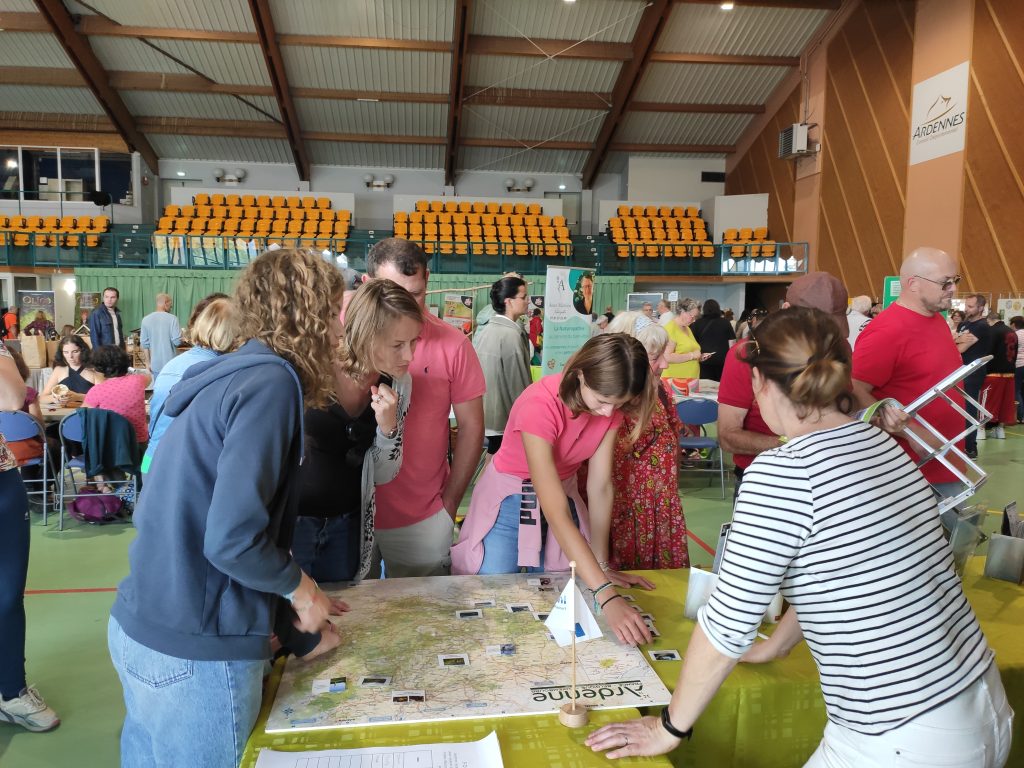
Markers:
(70, 589)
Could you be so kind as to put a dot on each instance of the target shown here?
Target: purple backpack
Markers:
(91, 506)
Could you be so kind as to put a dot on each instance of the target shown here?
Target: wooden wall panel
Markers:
(864, 140)
(993, 217)
(760, 171)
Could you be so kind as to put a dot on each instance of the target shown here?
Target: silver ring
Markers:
(627, 740)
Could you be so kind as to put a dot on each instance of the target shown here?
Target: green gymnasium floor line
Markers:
(67, 619)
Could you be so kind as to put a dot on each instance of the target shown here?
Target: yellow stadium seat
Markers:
(323, 203)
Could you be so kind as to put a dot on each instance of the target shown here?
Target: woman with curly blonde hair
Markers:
(211, 562)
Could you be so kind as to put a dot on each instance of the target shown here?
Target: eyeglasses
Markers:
(952, 282)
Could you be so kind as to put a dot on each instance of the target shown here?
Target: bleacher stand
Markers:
(749, 242)
(225, 221)
(461, 227)
(659, 231)
(52, 231)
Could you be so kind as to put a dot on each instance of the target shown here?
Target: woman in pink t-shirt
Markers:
(554, 426)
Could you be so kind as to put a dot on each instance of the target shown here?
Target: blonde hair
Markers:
(613, 365)
(650, 334)
(285, 298)
(804, 352)
(214, 327)
(374, 309)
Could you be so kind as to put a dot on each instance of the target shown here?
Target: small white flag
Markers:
(560, 622)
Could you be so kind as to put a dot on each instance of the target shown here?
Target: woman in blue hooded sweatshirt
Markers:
(190, 629)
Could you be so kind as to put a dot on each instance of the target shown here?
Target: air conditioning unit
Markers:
(793, 142)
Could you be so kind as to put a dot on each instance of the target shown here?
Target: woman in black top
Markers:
(714, 334)
(70, 368)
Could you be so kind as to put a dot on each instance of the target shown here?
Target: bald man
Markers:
(907, 349)
(161, 334)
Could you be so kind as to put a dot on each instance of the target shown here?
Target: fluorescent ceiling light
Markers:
(727, 6)
(181, 173)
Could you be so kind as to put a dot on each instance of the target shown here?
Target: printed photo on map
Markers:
(519, 607)
(469, 613)
(453, 659)
(540, 615)
(666, 655)
(374, 681)
(483, 603)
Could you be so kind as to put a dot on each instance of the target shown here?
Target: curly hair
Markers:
(111, 361)
(286, 298)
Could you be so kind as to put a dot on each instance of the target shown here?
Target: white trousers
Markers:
(971, 730)
(420, 549)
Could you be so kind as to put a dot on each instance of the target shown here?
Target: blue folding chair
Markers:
(18, 425)
(698, 412)
(72, 430)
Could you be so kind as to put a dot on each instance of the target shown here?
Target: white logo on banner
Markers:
(938, 118)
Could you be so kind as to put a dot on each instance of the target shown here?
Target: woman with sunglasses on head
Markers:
(526, 508)
(355, 442)
(842, 522)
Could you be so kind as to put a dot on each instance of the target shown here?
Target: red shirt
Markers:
(901, 354)
(737, 389)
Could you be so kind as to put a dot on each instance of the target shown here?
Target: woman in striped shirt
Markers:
(842, 522)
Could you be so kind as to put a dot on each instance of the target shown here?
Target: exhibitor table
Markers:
(764, 716)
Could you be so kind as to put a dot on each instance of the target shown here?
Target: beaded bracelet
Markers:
(603, 587)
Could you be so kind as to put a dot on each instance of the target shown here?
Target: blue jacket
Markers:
(101, 327)
(216, 516)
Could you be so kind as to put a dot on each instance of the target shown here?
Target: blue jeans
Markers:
(14, 542)
(327, 549)
(180, 711)
(501, 544)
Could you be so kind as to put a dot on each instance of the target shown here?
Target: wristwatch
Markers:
(392, 434)
(667, 725)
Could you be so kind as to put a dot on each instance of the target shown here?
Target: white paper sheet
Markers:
(473, 754)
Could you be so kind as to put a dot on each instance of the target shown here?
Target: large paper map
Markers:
(391, 665)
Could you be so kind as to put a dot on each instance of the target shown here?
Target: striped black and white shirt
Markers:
(844, 524)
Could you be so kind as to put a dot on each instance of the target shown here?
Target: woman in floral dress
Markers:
(648, 529)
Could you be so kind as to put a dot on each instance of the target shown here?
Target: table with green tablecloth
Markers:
(773, 715)
(764, 716)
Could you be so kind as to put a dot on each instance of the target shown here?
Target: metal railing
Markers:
(145, 250)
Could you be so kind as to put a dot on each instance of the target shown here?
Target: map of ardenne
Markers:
(451, 647)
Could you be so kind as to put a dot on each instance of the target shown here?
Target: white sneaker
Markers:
(29, 711)
(982, 433)
(998, 433)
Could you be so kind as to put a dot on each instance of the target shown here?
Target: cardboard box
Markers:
(51, 351)
(33, 350)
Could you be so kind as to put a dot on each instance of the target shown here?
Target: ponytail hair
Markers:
(803, 351)
(615, 366)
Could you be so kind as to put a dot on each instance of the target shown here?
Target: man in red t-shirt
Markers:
(741, 430)
(908, 349)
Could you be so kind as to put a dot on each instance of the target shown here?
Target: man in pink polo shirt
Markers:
(416, 511)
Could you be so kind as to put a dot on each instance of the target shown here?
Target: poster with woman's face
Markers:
(583, 293)
(37, 312)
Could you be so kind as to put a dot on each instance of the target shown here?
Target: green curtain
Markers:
(139, 287)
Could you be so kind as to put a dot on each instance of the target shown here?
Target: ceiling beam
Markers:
(194, 126)
(653, 20)
(460, 53)
(487, 45)
(817, 5)
(264, 21)
(81, 54)
(720, 109)
(329, 41)
(664, 57)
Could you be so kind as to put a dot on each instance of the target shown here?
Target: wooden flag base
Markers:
(573, 715)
